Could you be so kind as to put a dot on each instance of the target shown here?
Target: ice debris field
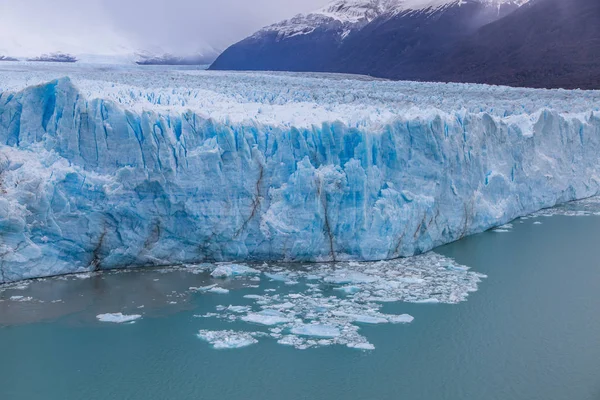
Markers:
(110, 167)
(303, 306)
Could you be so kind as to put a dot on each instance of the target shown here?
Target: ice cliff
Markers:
(106, 172)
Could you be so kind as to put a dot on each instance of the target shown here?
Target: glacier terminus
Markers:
(115, 167)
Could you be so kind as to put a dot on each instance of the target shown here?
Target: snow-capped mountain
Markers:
(345, 29)
(354, 14)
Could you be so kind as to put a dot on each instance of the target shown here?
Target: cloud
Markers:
(30, 27)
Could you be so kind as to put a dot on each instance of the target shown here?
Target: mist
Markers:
(112, 27)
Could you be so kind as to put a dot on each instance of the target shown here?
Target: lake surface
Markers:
(531, 330)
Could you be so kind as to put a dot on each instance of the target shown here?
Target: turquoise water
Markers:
(530, 332)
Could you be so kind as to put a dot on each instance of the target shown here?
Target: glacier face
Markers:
(118, 168)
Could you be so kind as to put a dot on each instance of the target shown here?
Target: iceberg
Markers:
(110, 169)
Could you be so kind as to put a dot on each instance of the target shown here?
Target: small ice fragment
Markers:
(316, 330)
(227, 339)
(369, 319)
(349, 289)
(238, 309)
(277, 277)
(453, 267)
(218, 290)
(537, 223)
(202, 288)
(232, 270)
(427, 301)
(292, 340)
(15, 298)
(117, 318)
(343, 277)
(411, 280)
(400, 319)
(266, 317)
(361, 346)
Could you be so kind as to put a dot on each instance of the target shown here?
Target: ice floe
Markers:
(227, 339)
(232, 270)
(118, 318)
(218, 290)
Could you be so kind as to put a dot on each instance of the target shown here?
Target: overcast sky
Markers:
(31, 27)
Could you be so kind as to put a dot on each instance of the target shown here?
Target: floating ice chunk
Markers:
(253, 296)
(316, 330)
(453, 267)
(117, 318)
(400, 319)
(498, 230)
(202, 288)
(227, 339)
(218, 290)
(537, 223)
(411, 280)
(86, 275)
(369, 319)
(427, 301)
(344, 277)
(349, 289)
(291, 340)
(21, 298)
(232, 270)
(238, 309)
(266, 317)
(361, 346)
(277, 277)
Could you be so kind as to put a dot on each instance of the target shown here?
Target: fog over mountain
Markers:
(29, 28)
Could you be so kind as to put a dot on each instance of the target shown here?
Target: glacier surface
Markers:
(113, 167)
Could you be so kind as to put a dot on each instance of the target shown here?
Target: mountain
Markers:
(537, 43)
(547, 43)
(204, 57)
(55, 57)
(385, 38)
(169, 59)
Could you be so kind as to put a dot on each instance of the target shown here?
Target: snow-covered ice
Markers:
(117, 318)
(112, 167)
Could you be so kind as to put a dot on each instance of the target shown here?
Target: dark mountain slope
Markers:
(546, 43)
(412, 45)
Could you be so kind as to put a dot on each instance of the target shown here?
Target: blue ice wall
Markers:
(86, 184)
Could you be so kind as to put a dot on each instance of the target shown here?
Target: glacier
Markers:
(105, 168)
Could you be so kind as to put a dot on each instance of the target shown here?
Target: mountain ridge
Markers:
(438, 40)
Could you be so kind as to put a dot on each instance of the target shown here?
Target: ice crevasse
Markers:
(91, 182)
